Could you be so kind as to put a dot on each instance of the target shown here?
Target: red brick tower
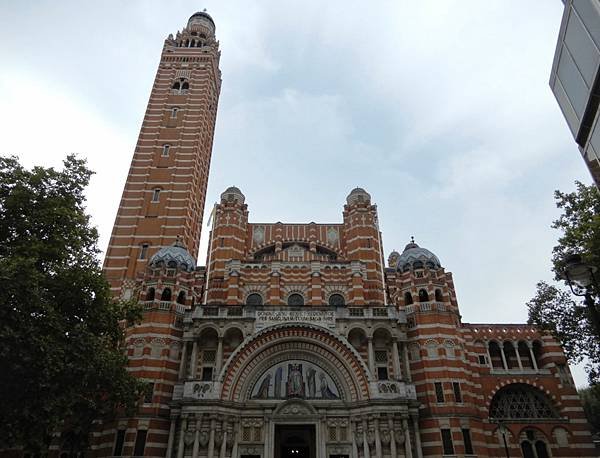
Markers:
(363, 243)
(157, 231)
(164, 194)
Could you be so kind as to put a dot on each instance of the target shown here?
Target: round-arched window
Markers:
(295, 299)
(336, 300)
(166, 294)
(254, 299)
(520, 401)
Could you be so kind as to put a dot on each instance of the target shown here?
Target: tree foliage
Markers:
(59, 329)
(590, 398)
(554, 307)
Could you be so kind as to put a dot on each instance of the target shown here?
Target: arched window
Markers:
(496, 355)
(432, 349)
(176, 86)
(408, 299)
(519, 401)
(150, 294)
(174, 111)
(187, 43)
(336, 300)
(185, 87)
(166, 294)
(254, 299)
(438, 295)
(423, 296)
(417, 265)
(156, 195)
(165, 150)
(295, 299)
(181, 297)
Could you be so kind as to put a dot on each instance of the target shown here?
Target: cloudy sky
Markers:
(439, 108)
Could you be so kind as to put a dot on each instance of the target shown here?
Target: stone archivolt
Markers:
(280, 343)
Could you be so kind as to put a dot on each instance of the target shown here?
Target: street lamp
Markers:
(503, 430)
(582, 281)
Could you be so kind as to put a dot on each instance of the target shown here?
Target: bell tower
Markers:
(164, 195)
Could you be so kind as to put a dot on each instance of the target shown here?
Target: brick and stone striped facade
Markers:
(302, 327)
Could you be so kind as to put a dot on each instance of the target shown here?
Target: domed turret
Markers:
(174, 256)
(393, 259)
(202, 22)
(358, 195)
(232, 194)
(415, 257)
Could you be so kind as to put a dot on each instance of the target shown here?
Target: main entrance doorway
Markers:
(295, 441)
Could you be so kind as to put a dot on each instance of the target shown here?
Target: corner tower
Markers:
(164, 195)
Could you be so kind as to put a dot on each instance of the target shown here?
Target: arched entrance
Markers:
(295, 441)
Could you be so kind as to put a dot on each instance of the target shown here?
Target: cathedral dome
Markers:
(358, 195)
(173, 256)
(233, 194)
(415, 257)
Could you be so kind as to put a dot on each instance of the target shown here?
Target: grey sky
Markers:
(440, 109)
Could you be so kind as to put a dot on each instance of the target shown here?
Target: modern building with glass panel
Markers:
(574, 79)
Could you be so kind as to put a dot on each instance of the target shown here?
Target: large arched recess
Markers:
(294, 341)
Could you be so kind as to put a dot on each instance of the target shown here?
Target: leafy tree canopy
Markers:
(59, 329)
(554, 307)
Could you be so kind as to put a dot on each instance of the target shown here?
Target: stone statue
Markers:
(263, 390)
(278, 377)
(326, 392)
(312, 389)
(295, 381)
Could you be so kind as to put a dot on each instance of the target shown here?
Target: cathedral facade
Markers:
(299, 340)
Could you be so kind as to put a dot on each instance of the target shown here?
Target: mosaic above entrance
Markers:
(295, 379)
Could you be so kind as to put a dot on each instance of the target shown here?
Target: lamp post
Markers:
(582, 282)
(503, 430)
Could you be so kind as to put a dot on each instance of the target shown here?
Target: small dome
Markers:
(201, 16)
(358, 195)
(233, 194)
(202, 22)
(174, 256)
(415, 257)
(393, 259)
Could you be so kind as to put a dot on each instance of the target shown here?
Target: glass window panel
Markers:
(582, 49)
(572, 82)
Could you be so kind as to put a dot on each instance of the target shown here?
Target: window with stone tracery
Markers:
(520, 401)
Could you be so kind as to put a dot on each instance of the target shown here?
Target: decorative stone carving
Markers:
(258, 234)
(295, 379)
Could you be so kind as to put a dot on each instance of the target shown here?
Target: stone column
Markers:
(503, 357)
(196, 447)
(171, 437)
(396, 361)
(407, 441)
(224, 443)
(181, 447)
(354, 432)
(371, 358)
(324, 437)
(266, 451)
(236, 437)
(415, 422)
(407, 376)
(194, 361)
(516, 347)
(183, 361)
(489, 357)
(533, 361)
(219, 361)
(377, 440)
(366, 453)
(393, 450)
(211, 438)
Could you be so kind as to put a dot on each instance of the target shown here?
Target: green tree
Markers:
(61, 365)
(554, 307)
(590, 398)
